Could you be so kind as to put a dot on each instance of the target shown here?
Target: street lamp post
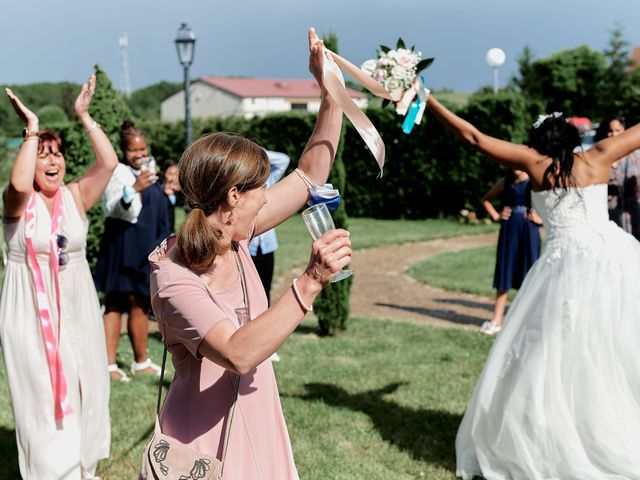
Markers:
(495, 59)
(185, 45)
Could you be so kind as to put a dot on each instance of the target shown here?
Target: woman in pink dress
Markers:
(197, 294)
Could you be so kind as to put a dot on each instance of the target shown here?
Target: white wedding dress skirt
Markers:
(559, 396)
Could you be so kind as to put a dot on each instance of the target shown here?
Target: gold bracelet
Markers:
(93, 126)
(296, 294)
(26, 133)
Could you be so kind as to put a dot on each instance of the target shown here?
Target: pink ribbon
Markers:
(334, 82)
(56, 374)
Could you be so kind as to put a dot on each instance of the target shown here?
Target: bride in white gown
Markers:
(559, 396)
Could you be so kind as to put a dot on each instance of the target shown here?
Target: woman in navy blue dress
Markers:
(519, 240)
(137, 220)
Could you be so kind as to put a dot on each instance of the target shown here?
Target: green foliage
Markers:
(51, 114)
(430, 173)
(36, 96)
(568, 81)
(109, 110)
(145, 102)
(582, 81)
(5, 162)
(469, 271)
(332, 305)
(383, 401)
(331, 41)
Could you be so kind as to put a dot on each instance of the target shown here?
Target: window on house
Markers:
(299, 106)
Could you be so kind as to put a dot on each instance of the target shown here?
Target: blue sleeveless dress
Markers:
(519, 240)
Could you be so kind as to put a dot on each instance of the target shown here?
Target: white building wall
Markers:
(205, 100)
(252, 107)
(208, 101)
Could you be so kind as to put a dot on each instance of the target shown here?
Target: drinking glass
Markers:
(318, 221)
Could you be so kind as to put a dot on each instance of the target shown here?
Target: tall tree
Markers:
(332, 305)
(109, 109)
(566, 81)
(614, 95)
(525, 61)
(145, 102)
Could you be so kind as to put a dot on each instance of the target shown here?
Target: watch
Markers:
(26, 133)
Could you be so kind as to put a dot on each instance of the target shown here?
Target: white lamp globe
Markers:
(495, 57)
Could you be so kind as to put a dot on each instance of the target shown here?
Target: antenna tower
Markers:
(125, 86)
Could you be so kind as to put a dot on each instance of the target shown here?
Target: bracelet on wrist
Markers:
(296, 293)
(92, 127)
(28, 133)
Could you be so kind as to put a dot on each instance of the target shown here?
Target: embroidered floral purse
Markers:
(166, 457)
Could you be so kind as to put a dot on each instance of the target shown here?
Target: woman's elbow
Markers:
(240, 366)
(240, 362)
(472, 139)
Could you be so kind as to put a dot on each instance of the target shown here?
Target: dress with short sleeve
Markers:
(199, 399)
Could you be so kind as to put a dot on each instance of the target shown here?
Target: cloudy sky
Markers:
(46, 40)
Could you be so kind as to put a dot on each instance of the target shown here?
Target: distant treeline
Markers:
(54, 103)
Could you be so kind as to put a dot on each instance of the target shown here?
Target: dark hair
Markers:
(209, 168)
(602, 131)
(128, 130)
(46, 138)
(556, 138)
(168, 163)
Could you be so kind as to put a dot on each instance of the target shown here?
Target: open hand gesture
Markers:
(29, 118)
(86, 94)
(316, 57)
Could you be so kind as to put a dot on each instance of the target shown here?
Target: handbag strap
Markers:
(236, 383)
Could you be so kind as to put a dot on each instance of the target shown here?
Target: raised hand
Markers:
(144, 180)
(29, 118)
(84, 98)
(316, 57)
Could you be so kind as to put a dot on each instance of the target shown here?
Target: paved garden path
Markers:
(382, 287)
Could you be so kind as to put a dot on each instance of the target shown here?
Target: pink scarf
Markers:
(58, 381)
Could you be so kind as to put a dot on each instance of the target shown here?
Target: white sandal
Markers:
(113, 368)
(490, 328)
(136, 367)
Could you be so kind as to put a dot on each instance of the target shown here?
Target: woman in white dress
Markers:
(559, 396)
(50, 323)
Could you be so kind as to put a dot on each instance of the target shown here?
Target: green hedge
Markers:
(428, 173)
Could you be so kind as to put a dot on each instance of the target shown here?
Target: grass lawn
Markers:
(465, 271)
(295, 242)
(381, 401)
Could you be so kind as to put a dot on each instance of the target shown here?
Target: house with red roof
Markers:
(247, 97)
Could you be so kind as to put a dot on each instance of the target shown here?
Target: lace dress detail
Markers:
(559, 396)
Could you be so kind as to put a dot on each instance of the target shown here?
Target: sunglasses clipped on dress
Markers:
(63, 257)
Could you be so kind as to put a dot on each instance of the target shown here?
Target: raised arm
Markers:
(16, 194)
(614, 148)
(241, 349)
(89, 187)
(509, 154)
(287, 196)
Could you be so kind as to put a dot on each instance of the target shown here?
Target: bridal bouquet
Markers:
(397, 70)
(394, 76)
